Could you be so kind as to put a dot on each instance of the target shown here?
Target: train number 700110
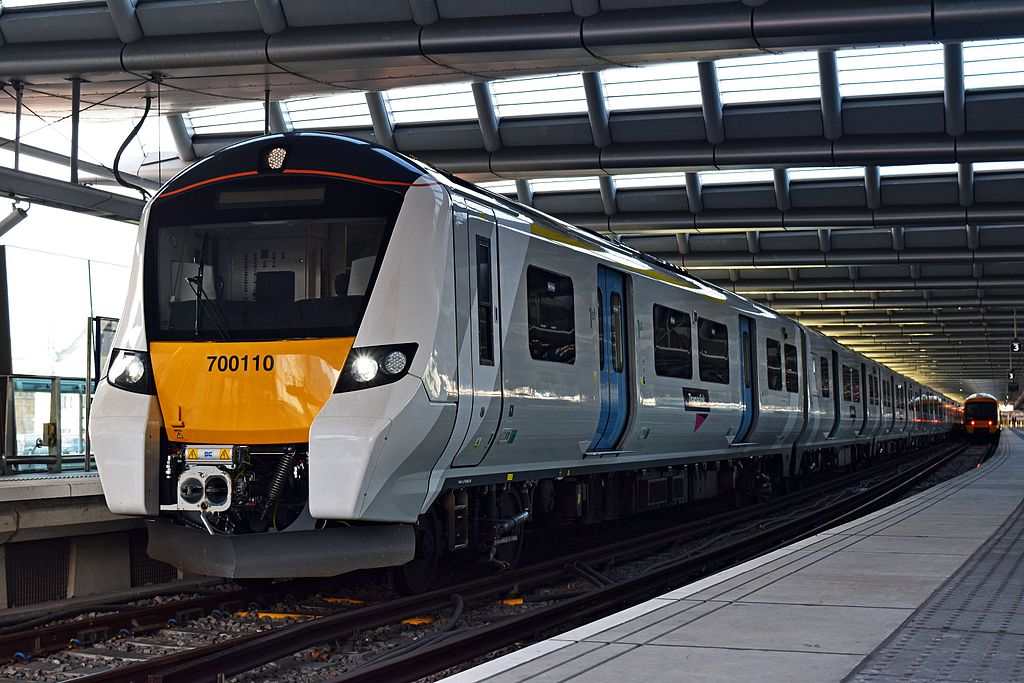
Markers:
(253, 363)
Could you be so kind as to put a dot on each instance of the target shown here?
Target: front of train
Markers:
(278, 390)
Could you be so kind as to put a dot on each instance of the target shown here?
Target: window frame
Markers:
(774, 373)
(794, 387)
(705, 370)
(825, 381)
(687, 323)
(534, 271)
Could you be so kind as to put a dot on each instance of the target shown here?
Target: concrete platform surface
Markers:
(41, 485)
(930, 588)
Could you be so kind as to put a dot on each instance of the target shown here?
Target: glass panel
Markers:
(890, 70)
(673, 356)
(826, 173)
(444, 102)
(713, 351)
(565, 184)
(993, 63)
(855, 377)
(769, 78)
(505, 187)
(534, 95)
(659, 85)
(551, 316)
(241, 117)
(740, 175)
(645, 180)
(773, 361)
(826, 379)
(792, 370)
(847, 383)
(344, 110)
(617, 336)
(484, 300)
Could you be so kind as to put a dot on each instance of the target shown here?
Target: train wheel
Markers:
(509, 547)
(417, 575)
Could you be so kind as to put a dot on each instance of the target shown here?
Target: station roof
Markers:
(857, 165)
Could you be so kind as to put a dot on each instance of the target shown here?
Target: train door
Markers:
(613, 342)
(837, 395)
(484, 338)
(748, 371)
(864, 402)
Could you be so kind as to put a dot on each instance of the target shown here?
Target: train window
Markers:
(900, 404)
(792, 370)
(826, 380)
(673, 356)
(847, 383)
(713, 351)
(873, 388)
(551, 316)
(485, 300)
(773, 363)
(617, 338)
(887, 393)
(855, 385)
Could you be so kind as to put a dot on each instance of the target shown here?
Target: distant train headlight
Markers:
(364, 368)
(130, 370)
(372, 366)
(395, 362)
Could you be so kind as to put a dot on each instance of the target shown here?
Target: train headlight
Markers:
(130, 370)
(372, 366)
(364, 369)
(395, 362)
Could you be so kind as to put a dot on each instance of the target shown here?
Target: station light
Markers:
(16, 216)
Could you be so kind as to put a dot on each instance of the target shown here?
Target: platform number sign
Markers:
(1015, 346)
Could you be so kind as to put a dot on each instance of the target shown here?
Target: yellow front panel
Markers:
(228, 392)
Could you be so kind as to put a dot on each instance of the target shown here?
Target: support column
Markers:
(711, 102)
(76, 115)
(383, 128)
(488, 115)
(597, 109)
(831, 101)
(524, 192)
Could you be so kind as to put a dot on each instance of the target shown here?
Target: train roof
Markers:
(981, 397)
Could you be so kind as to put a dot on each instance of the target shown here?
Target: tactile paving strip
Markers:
(971, 629)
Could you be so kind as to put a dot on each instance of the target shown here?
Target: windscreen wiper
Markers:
(196, 282)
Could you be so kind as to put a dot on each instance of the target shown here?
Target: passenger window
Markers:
(551, 316)
(600, 329)
(673, 356)
(826, 380)
(773, 363)
(873, 388)
(617, 354)
(792, 370)
(847, 383)
(713, 351)
(886, 393)
(485, 300)
(855, 384)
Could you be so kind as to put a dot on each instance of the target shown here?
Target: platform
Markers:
(40, 485)
(929, 588)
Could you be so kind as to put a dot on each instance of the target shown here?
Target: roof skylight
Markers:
(240, 117)
(648, 180)
(738, 175)
(533, 95)
(344, 110)
(890, 70)
(445, 102)
(765, 78)
(993, 63)
(661, 85)
(579, 184)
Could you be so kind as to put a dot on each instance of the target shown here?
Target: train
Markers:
(335, 357)
(981, 420)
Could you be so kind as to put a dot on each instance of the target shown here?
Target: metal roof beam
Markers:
(889, 303)
(842, 257)
(58, 194)
(524, 192)
(271, 14)
(780, 180)
(125, 20)
(867, 284)
(953, 96)
(487, 113)
(694, 192)
(424, 12)
(181, 132)
(965, 183)
(85, 166)
(872, 186)
(279, 122)
(831, 100)
(383, 128)
(597, 109)
(608, 195)
(711, 102)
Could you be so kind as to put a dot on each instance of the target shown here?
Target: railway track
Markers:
(441, 650)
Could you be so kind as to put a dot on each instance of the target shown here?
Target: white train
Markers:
(334, 357)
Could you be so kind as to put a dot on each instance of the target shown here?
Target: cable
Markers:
(124, 145)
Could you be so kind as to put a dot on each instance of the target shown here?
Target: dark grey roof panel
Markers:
(799, 119)
(785, 241)
(753, 196)
(319, 13)
(527, 132)
(946, 270)
(920, 114)
(1001, 236)
(942, 238)
(1002, 268)
(460, 9)
(188, 17)
(637, 4)
(820, 194)
(998, 187)
(861, 239)
(722, 242)
(654, 243)
(564, 202)
(661, 199)
(928, 191)
(986, 110)
(90, 22)
(415, 138)
(654, 125)
(878, 271)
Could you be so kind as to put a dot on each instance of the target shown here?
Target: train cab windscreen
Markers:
(263, 280)
(980, 410)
